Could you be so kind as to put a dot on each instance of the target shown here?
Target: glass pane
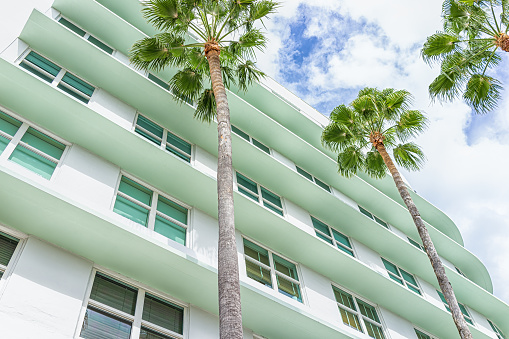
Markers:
(248, 194)
(408, 277)
(34, 162)
(147, 136)
(240, 133)
(321, 236)
(179, 143)
(135, 190)
(43, 143)
(172, 209)
(43, 63)
(247, 183)
(258, 273)
(341, 238)
(398, 280)
(463, 310)
(170, 230)
(72, 27)
(256, 252)
(415, 289)
(73, 93)
(365, 212)
(100, 44)
(3, 143)
(285, 267)
(114, 293)
(373, 330)
(289, 288)
(8, 124)
(273, 208)
(150, 334)
(304, 173)
(78, 84)
(350, 319)
(390, 267)
(421, 335)
(261, 146)
(31, 69)
(130, 210)
(158, 81)
(415, 243)
(368, 311)
(101, 325)
(320, 226)
(344, 299)
(163, 313)
(346, 250)
(381, 222)
(7, 247)
(150, 126)
(269, 196)
(322, 185)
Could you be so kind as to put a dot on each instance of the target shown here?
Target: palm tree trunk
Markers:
(230, 317)
(443, 281)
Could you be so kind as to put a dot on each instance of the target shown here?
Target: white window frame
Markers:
(374, 217)
(314, 179)
(153, 212)
(15, 140)
(86, 35)
(7, 270)
(193, 105)
(335, 243)
(400, 277)
(495, 329)
(164, 141)
(272, 269)
(424, 332)
(57, 79)
(136, 320)
(358, 313)
(251, 140)
(415, 244)
(447, 308)
(260, 198)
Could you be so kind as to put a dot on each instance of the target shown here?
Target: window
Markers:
(166, 86)
(7, 246)
(85, 35)
(460, 272)
(463, 309)
(422, 335)
(332, 236)
(163, 138)
(250, 139)
(33, 149)
(416, 244)
(271, 270)
(259, 193)
(313, 179)
(57, 76)
(150, 209)
(111, 312)
(497, 331)
(401, 276)
(358, 314)
(373, 217)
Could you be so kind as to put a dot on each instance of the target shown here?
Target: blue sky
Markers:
(325, 51)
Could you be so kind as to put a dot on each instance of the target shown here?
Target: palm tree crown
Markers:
(474, 36)
(375, 117)
(192, 28)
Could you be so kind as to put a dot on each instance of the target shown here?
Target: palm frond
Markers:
(482, 93)
(439, 45)
(247, 73)
(187, 84)
(409, 156)
(336, 137)
(446, 85)
(206, 106)
(410, 124)
(350, 161)
(374, 165)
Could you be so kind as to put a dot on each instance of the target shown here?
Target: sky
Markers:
(325, 51)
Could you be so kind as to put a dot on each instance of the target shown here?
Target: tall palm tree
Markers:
(471, 44)
(210, 42)
(362, 134)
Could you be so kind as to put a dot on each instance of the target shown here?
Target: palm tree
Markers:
(362, 134)
(471, 44)
(210, 42)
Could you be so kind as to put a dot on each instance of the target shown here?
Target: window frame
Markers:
(373, 217)
(422, 332)
(356, 298)
(333, 240)
(274, 273)
(498, 332)
(153, 213)
(468, 317)
(164, 139)
(15, 140)
(313, 179)
(251, 140)
(136, 320)
(260, 200)
(56, 80)
(86, 34)
(185, 99)
(404, 282)
(415, 244)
